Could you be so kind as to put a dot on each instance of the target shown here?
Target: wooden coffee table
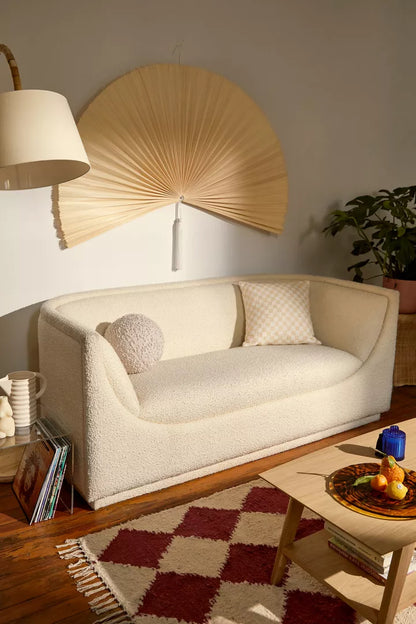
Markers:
(305, 480)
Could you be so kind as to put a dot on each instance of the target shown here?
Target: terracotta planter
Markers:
(407, 290)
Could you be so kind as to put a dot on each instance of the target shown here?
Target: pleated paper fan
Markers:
(162, 132)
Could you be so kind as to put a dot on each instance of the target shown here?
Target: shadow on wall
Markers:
(19, 340)
(320, 252)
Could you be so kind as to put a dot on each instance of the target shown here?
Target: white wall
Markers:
(335, 78)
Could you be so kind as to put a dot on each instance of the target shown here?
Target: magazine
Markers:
(62, 445)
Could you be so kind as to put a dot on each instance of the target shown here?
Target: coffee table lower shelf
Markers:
(345, 579)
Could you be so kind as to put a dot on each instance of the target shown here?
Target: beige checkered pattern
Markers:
(277, 313)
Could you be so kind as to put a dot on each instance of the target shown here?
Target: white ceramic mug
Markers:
(20, 386)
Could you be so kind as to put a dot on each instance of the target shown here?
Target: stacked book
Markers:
(364, 557)
(41, 472)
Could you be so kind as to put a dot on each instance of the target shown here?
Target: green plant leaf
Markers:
(364, 479)
(359, 265)
(385, 225)
(360, 247)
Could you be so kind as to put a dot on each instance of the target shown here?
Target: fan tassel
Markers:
(177, 238)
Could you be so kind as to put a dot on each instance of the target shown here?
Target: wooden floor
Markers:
(34, 585)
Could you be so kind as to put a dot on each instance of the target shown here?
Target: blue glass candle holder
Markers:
(394, 442)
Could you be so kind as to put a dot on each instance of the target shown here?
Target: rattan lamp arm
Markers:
(13, 66)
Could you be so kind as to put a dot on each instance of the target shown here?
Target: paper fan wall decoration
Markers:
(167, 131)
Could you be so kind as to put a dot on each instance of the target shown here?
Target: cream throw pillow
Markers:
(137, 340)
(277, 313)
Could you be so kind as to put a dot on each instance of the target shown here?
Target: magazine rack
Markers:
(28, 447)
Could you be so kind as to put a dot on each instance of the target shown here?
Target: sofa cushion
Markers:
(277, 313)
(211, 384)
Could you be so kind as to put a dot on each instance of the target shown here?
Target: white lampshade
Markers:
(39, 141)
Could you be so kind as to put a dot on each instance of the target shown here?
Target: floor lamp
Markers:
(39, 141)
(39, 146)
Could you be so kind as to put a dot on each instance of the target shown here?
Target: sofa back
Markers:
(199, 317)
(193, 318)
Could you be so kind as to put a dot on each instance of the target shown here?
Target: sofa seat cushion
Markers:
(211, 384)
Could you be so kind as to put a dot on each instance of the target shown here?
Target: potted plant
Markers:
(386, 228)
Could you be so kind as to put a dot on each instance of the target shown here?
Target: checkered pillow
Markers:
(277, 313)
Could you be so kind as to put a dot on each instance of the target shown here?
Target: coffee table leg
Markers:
(293, 516)
(394, 585)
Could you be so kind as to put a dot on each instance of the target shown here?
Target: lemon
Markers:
(396, 490)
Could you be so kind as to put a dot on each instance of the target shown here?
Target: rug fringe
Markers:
(119, 620)
(97, 601)
(88, 582)
(113, 618)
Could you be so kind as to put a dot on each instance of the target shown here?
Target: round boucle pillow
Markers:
(137, 340)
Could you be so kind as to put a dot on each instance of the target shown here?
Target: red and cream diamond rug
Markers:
(206, 562)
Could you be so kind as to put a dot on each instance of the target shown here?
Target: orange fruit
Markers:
(396, 490)
(379, 483)
(391, 470)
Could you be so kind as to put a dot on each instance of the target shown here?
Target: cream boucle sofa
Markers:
(209, 404)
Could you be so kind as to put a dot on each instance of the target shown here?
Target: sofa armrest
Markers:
(96, 351)
(354, 317)
(84, 374)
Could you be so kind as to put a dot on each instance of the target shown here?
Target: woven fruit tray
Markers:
(365, 500)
